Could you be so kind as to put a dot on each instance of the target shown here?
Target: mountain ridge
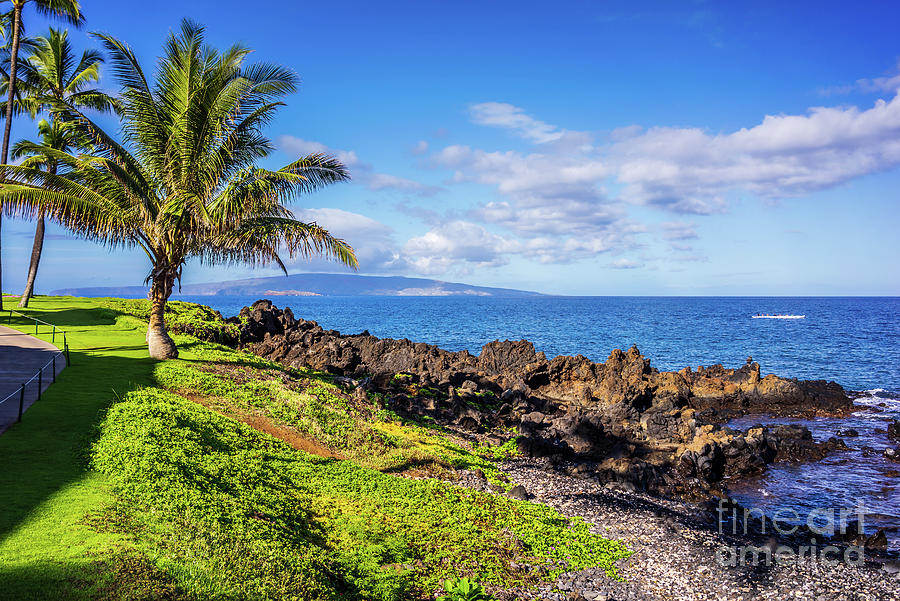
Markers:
(311, 284)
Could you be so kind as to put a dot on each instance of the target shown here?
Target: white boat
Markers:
(779, 316)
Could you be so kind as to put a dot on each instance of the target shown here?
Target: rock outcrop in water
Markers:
(621, 421)
(893, 430)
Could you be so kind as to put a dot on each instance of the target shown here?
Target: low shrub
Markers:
(182, 317)
(233, 513)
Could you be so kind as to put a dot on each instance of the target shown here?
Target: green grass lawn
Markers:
(45, 488)
(185, 501)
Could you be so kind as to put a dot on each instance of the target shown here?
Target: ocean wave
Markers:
(881, 393)
(878, 396)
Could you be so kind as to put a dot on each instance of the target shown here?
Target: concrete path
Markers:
(21, 356)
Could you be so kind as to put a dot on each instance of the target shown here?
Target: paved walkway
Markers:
(21, 356)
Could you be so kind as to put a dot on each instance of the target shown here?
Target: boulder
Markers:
(893, 430)
(518, 492)
(848, 433)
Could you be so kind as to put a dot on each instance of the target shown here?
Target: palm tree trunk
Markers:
(7, 127)
(158, 340)
(36, 249)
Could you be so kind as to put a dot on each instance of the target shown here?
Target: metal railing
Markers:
(39, 376)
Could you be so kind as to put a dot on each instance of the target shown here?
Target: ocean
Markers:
(852, 341)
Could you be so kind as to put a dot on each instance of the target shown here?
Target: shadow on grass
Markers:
(124, 577)
(41, 580)
(46, 451)
(62, 318)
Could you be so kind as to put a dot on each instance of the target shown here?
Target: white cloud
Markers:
(625, 264)
(458, 246)
(455, 247)
(508, 116)
(679, 230)
(359, 171)
(690, 171)
(887, 83)
(383, 181)
(569, 198)
(682, 170)
(299, 146)
(553, 200)
(373, 241)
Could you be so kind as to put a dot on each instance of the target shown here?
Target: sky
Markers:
(576, 148)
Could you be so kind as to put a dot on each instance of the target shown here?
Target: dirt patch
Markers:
(290, 436)
(262, 423)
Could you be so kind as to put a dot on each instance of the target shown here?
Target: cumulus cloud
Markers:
(373, 241)
(459, 246)
(887, 83)
(298, 146)
(567, 197)
(456, 247)
(360, 171)
(682, 170)
(689, 170)
(552, 200)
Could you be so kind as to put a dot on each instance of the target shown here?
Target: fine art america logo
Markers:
(825, 522)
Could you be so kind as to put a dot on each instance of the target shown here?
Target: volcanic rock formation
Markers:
(620, 421)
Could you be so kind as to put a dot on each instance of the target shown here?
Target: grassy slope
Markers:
(357, 533)
(45, 490)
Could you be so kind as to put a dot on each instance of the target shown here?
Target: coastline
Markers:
(622, 422)
(675, 551)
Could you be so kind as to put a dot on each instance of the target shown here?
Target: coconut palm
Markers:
(51, 75)
(25, 44)
(68, 10)
(53, 136)
(184, 182)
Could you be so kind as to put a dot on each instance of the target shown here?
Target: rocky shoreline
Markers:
(619, 443)
(675, 551)
(620, 421)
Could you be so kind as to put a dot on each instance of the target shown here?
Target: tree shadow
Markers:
(47, 450)
(63, 318)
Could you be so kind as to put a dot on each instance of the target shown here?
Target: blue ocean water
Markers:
(853, 341)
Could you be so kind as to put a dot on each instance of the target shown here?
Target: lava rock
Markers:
(892, 454)
(518, 492)
(893, 430)
(848, 433)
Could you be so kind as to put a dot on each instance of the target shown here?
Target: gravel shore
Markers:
(675, 547)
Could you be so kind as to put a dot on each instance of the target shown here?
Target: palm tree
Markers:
(184, 183)
(54, 136)
(68, 10)
(49, 76)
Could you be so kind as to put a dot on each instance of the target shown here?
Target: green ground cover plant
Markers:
(136, 479)
(181, 317)
(354, 425)
(334, 528)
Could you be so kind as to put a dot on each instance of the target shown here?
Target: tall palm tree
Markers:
(68, 10)
(184, 183)
(49, 76)
(53, 135)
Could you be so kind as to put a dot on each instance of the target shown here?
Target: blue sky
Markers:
(570, 148)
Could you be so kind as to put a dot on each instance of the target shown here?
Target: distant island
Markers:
(311, 284)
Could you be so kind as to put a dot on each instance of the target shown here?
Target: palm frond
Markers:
(257, 242)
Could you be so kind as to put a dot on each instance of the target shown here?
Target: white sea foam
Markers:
(877, 404)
